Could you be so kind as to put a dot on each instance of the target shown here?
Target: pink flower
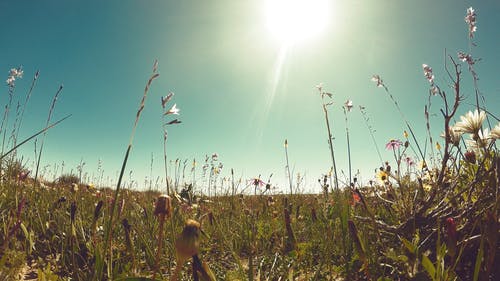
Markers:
(257, 182)
(470, 19)
(393, 144)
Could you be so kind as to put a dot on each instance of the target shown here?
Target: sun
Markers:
(292, 21)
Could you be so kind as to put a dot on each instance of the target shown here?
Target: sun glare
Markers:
(292, 21)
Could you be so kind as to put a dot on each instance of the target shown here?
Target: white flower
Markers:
(495, 132)
(10, 81)
(319, 87)
(376, 78)
(428, 73)
(348, 105)
(470, 19)
(173, 110)
(453, 136)
(482, 141)
(215, 156)
(471, 123)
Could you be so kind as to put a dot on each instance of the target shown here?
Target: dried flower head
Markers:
(163, 206)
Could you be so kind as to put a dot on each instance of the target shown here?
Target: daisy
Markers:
(453, 136)
(471, 123)
(495, 132)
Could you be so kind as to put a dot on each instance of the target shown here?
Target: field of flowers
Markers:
(424, 218)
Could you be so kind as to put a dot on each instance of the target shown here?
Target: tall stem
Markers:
(288, 167)
(331, 146)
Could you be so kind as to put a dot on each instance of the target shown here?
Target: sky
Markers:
(240, 88)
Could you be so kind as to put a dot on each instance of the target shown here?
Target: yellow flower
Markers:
(382, 176)
(438, 146)
(405, 134)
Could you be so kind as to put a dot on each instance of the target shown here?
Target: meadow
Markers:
(429, 215)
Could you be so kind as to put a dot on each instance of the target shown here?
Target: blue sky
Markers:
(220, 59)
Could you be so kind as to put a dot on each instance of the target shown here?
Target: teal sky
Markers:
(220, 59)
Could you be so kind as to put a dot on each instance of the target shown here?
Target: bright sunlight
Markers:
(292, 21)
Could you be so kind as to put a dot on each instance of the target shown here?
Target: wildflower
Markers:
(466, 58)
(470, 156)
(286, 143)
(355, 198)
(481, 141)
(187, 244)
(376, 78)
(13, 74)
(215, 156)
(434, 90)
(319, 87)
(166, 99)
(393, 144)
(471, 123)
(409, 161)
(438, 146)
(453, 136)
(428, 73)
(470, 19)
(348, 105)
(495, 132)
(173, 110)
(257, 182)
(405, 134)
(382, 176)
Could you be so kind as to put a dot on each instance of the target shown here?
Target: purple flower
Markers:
(393, 144)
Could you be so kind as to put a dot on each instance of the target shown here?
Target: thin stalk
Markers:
(348, 146)
(33, 136)
(330, 143)
(51, 110)
(288, 167)
(109, 225)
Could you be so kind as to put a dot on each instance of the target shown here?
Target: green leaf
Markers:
(429, 266)
(136, 279)
(479, 259)
(411, 248)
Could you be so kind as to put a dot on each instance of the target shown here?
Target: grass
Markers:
(439, 221)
